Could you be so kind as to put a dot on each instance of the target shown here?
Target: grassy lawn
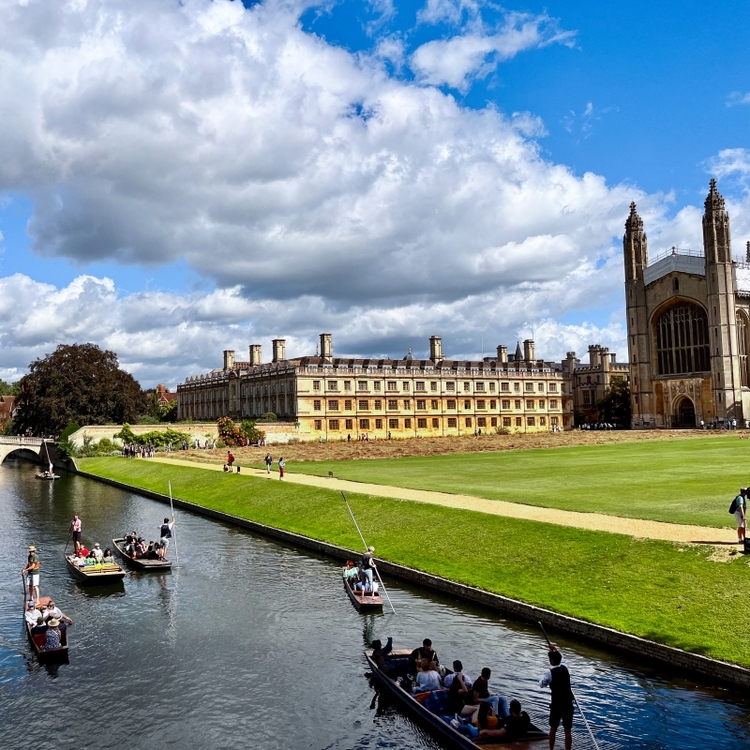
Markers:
(661, 591)
(680, 481)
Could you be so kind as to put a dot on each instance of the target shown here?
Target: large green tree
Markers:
(614, 407)
(9, 389)
(76, 383)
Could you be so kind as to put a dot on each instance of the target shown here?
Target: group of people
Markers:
(359, 577)
(48, 624)
(469, 704)
(95, 556)
(137, 549)
(269, 461)
(133, 450)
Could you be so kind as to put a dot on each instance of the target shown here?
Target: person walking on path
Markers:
(282, 464)
(740, 514)
(31, 571)
(557, 679)
(75, 531)
(269, 461)
(230, 459)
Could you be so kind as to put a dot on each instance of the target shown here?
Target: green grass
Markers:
(679, 481)
(668, 593)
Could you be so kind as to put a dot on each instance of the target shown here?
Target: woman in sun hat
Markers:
(53, 634)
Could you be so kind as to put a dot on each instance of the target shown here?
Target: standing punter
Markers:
(166, 535)
(557, 678)
(31, 571)
(75, 531)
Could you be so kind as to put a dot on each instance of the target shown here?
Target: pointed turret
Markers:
(635, 246)
(717, 241)
(519, 354)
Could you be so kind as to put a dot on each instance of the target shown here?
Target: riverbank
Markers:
(670, 594)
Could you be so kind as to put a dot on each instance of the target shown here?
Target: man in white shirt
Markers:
(32, 614)
(458, 668)
(98, 554)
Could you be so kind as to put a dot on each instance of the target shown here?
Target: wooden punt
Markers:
(363, 603)
(46, 655)
(139, 564)
(47, 477)
(442, 731)
(95, 575)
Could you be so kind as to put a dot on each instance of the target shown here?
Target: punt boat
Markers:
(139, 564)
(364, 603)
(417, 706)
(96, 575)
(43, 654)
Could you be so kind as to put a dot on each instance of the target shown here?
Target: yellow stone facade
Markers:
(340, 398)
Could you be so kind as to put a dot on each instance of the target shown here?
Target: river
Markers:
(253, 643)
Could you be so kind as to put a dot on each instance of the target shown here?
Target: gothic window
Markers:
(742, 347)
(682, 339)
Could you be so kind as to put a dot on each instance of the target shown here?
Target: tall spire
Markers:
(717, 241)
(635, 246)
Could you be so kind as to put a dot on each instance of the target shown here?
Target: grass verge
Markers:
(677, 481)
(665, 592)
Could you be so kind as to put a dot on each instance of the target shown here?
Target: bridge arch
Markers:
(12, 444)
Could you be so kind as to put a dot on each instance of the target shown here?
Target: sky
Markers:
(178, 178)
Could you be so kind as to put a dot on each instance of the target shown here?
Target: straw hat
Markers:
(32, 548)
(53, 623)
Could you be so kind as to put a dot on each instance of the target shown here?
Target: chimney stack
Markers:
(326, 346)
(436, 349)
(279, 350)
(502, 354)
(528, 350)
(256, 358)
(228, 359)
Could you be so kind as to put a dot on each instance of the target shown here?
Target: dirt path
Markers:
(597, 522)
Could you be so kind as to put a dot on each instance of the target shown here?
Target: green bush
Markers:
(268, 416)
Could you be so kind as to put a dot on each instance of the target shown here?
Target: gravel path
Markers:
(595, 521)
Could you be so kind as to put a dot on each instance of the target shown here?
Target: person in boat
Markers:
(427, 678)
(108, 558)
(79, 560)
(75, 531)
(380, 655)
(425, 652)
(458, 669)
(91, 558)
(166, 534)
(480, 693)
(458, 689)
(54, 639)
(83, 550)
(40, 628)
(512, 727)
(368, 566)
(31, 571)
(557, 679)
(32, 614)
(153, 552)
(350, 573)
(97, 552)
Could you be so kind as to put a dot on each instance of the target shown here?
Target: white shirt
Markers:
(448, 679)
(98, 554)
(428, 680)
(546, 681)
(32, 615)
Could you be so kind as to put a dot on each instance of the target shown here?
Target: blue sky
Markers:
(206, 176)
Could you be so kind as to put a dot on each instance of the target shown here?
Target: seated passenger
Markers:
(32, 614)
(514, 726)
(97, 552)
(91, 558)
(350, 574)
(480, 692)
(427, 678)
(40, 628)
(425, 652)
(79, 560)
(485, 718)
(53, 635)
(108, 558)
(82, 551)
(459, 686)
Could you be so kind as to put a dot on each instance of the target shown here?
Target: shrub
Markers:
(268, 416)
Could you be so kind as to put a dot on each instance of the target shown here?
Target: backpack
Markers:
(733, 506)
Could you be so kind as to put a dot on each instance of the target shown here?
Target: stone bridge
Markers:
(11, 444)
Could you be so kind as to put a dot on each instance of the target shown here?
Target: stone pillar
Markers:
(502, 354)
(436, 348)
(256, 357)
(228, 359)
(279, 350)
(528, 350)
(326, 346)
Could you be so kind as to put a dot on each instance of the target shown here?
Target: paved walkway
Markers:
(596, 521)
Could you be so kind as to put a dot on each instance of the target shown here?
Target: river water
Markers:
(253, 643)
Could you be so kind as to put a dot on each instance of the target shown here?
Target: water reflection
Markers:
(255, 642)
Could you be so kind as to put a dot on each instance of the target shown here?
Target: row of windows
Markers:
(393, 404)
(422, 422)
(392, 385)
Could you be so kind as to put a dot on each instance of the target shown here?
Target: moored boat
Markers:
(139, 563)
(364, 602)
(37, 641)
(97, 575)
(418, 707)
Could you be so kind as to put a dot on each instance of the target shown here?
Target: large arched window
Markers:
(742, 347)
(682, 339)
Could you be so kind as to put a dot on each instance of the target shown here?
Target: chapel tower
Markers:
(635, 253)
(722, 312)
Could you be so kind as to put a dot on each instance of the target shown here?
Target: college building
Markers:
(688, 322)
(336, 398)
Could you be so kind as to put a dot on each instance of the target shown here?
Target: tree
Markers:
(76, 383)
(614, 406)
(9, 389)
